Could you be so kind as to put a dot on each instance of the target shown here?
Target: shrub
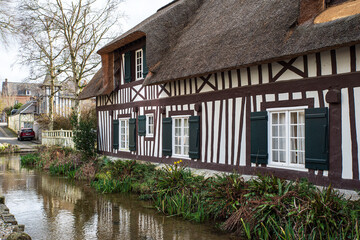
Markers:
(84, 134)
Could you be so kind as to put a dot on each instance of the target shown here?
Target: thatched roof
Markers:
(194, 37)
(233, 33)
(94, 87)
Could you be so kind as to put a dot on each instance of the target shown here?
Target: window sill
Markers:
(181, 157)
(123, 150)
(301, 169)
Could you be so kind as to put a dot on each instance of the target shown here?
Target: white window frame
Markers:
(182, 155)
(139, 64)
(148, 116)
(126, 147)
(287, 164)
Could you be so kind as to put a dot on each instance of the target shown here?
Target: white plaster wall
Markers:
(297, 95)
(254, 75)
(237, 126)
(231, 134)
(222, 139)
(346, 136)
(216, 126)
(243, 141)
(326, 63)
(315, 95)
(244, 78)
(343, 60)
(312, 65)
(283, 96)
(270, 97)
(211, 126)
(265, 73)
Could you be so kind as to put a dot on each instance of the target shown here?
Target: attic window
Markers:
(139, 64)
(334, 12)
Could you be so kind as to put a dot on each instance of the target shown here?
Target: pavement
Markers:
(7, 136)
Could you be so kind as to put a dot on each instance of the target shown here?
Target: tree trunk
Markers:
(77, 101)
(51, 100)
(51, 111)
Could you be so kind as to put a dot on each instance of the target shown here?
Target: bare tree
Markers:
(42, 46)
(6, 20)
(84, 24)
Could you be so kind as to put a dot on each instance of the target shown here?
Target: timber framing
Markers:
(291, 65)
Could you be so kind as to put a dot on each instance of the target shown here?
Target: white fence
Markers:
(57, 137)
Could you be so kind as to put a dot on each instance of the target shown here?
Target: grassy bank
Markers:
(263, 208)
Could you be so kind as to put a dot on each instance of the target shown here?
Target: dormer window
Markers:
(139, 64)
(130, 62)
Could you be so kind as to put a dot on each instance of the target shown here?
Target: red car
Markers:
(26, 133)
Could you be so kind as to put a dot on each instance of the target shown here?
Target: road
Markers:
(7, 136)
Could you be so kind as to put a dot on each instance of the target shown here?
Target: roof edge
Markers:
(147, 81)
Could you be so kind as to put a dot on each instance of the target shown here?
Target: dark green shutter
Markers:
(259, 137)
(132, 134)
(142, 125)
(167, 137)
(115, 134)
(145, 68)
(316, 139)
(194, 137)
(127, 67)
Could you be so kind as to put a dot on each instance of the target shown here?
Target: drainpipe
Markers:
(19, 121)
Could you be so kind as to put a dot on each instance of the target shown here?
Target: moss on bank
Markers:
(263, 208)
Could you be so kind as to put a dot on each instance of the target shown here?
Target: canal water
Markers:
(57, 208)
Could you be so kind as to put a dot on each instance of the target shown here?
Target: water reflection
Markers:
(55, 208)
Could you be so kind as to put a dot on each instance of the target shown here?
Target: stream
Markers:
(57, 208)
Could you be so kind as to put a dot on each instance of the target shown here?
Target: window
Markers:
(124, 134)
(139, 64)
(181, 136)
(150, 125)
(287, 137)
(28, 92)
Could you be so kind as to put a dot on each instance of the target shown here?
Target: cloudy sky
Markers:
(134, 10)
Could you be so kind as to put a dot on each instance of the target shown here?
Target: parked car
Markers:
(26, 133)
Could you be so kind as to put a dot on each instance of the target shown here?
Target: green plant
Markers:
(84, 133)
(29, 160)
(226, 194)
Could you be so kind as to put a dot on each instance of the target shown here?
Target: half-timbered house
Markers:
(253, 86)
